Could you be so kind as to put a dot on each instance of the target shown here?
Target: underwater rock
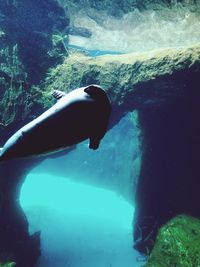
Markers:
(16, 244)
(169, 177)
(163, 85)
(133, 81)
(30, 25)
(118, 8)
(80, 31)
(129, 79)
(19, 103)
(177, 244)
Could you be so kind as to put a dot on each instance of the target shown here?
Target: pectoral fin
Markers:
(93, 90)
(58, 94)
(94, 143)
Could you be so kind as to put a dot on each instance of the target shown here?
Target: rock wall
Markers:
(177, 244)
(28, 27)
(16, 244)
(117, 8)
(170, 164)
(27, 50)
(127, 78)
(163, 87)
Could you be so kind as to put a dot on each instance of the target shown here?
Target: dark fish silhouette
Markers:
(81, 114)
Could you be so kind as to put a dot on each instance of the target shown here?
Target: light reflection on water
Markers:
(139, 31)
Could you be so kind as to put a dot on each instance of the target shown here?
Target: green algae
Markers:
(120, 75)
(19, 104)
(177, 244)
(10, 264)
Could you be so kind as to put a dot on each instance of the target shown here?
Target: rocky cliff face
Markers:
(27, 50)
(163, 87)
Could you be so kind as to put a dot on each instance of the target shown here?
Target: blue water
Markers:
(81, 203)
(93, 52)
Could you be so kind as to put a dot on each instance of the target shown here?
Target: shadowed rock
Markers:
(29, 26)
(133, 81)
(15, 243)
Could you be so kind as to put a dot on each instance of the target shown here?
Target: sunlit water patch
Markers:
(81, 225)
(138, 31)
(93, 52)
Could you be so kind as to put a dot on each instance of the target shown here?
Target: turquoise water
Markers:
(84, 217)
(80, 225)
(93, 52)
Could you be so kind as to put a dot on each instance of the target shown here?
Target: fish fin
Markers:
(58, 94)
(93, 90)
(1, 150)
(94, 143)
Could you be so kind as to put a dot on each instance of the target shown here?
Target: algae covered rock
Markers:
(19, 104)
(127, 78)
(118, 8)
(177, 244)
(131, 80)
(10, 264)
(163, 85)
(29, 25)
(169, 179)
(119, 74)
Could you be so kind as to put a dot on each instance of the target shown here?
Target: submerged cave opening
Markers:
(83, 202)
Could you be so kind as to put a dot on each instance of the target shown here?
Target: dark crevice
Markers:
(170, 174)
